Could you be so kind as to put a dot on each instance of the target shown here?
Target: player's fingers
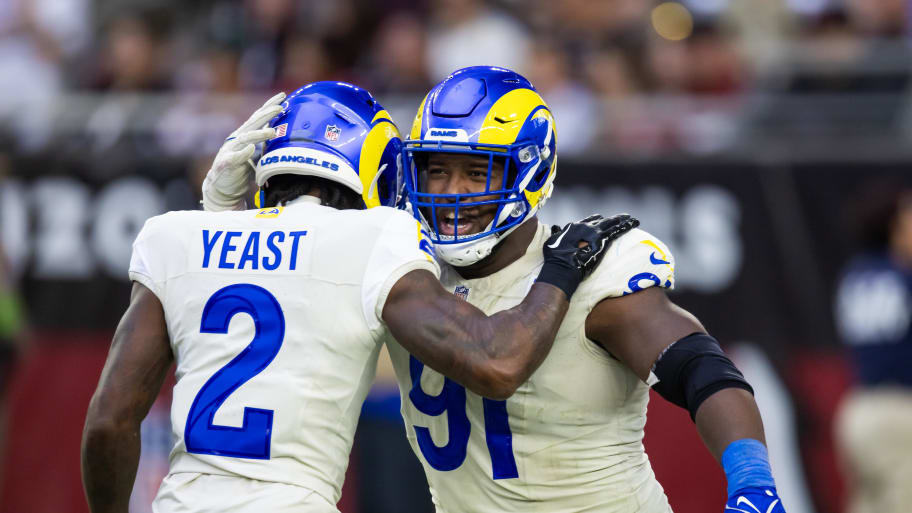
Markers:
(592, 219)
(613, 220)
(275, 100)
(272, 105)
(620, 222)
(241, 155)
(256, 136)
(261, 117)
(231, 144)
(565, 229)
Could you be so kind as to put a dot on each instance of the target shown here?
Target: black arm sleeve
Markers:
(694, 368)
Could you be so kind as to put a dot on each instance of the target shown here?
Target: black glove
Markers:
(567, 264)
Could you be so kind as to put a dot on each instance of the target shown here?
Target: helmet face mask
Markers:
(495, 115)
(338, 132)
(492, 197)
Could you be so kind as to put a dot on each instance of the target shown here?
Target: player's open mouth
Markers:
(446, 224)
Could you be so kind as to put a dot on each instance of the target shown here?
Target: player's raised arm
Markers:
(137, 364)
(658, 339)
(494, 355)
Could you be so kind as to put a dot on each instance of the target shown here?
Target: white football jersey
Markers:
(571, 438)
(274, 320)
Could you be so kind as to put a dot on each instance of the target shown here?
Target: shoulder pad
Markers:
(635, 261)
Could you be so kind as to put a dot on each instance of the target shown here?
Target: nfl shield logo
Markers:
(332, 133)
(462, 292)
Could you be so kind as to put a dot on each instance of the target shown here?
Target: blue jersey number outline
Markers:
(452, 400)
(253, 439)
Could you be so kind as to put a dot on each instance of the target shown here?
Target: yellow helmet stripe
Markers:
(416, 124)
(371, 152)
(511, 111)
(381, 115)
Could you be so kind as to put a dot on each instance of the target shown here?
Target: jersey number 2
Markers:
(452, 400)
(252, 440)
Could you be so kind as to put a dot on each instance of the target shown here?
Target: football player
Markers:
(480, 163)
(274, 317)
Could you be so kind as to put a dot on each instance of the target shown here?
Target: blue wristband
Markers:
(746, 464)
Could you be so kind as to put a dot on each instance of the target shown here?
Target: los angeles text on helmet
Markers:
(275, 159)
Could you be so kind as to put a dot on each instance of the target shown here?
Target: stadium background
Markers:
(738, 131)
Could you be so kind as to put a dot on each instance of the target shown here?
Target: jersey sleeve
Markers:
(145, 268)
(402, 247)
(634, 262)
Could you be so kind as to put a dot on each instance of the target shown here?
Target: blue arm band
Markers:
(746, 464)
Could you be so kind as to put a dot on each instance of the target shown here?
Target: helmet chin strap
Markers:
(468, 253)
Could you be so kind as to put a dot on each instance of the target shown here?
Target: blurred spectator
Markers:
(609, 72)
(874, 316)
(570, 101)
(835, 59)
(266, 26)
(884, 18)
(582, 22)
(348, 34)
(303, 61)
(286, 43)
(398, 59)
(36, 36)
(762, 31)
(469, 33)
(223, 69)
(716, 67)
(135, 52)
(668, 66)
(215, 70)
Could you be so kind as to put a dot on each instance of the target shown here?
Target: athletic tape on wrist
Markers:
(746, 464)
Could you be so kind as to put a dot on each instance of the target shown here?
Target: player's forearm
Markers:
(523, 336)
(503, 350)
(110, 456)
(490, 356)
(730, 425)
(728, 415)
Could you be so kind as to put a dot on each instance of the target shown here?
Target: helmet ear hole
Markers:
(512, 172)
(383, 190)
(538, 180)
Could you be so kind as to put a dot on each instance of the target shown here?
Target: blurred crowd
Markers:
(584, 56)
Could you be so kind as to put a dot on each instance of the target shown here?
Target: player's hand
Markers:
(755, 500)
(573, 252)
(226, 182)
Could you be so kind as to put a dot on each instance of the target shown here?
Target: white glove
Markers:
(226, 182)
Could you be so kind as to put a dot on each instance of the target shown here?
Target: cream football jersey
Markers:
(571, 438)
(274, 320)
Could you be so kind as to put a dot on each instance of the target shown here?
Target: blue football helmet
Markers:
(495, 113)
(339, 132)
